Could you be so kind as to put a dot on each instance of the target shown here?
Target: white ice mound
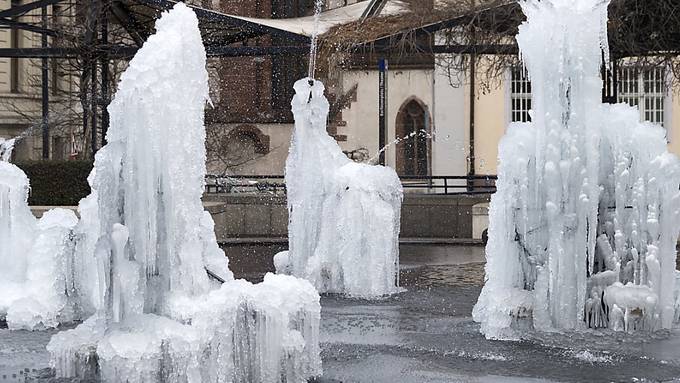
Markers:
(343, 228)
(35, 259)
(18, 229)
(584, 226)
(159, 317)
(266, 333)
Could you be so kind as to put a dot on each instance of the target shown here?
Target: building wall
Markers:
(25, 96)
(271, 163)
(492, 116)
(491, 119)
(451, 127)
(362, 115)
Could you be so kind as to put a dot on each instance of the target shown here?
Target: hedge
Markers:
(57, 183)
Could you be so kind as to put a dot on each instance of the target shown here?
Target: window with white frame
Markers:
(520, 95)
(644, 87)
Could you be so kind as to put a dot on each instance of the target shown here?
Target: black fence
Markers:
(438, 185)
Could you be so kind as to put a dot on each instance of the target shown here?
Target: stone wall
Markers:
(423, 216)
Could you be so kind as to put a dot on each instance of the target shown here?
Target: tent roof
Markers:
(304, 26)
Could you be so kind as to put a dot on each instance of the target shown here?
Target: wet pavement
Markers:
(426, 334)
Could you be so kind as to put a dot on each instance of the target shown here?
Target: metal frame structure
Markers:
(224, 36)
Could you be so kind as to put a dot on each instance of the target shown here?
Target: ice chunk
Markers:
(50, 296)
(344, 217)
(35, 259)
(586, 216)
(240, 333)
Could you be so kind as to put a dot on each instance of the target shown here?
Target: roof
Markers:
(304, 26)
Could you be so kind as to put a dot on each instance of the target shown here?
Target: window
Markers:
(520, 96)
(412, 148)
(286, 70)
(644, 88)
(291, 8)
(640, 87)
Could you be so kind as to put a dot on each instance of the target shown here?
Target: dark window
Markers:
(286, 69)
(412, 149)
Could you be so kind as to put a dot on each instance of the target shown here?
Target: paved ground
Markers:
(426, 334)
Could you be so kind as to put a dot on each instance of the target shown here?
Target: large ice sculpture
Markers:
(585, 222)
(343, 228)
(146, 241)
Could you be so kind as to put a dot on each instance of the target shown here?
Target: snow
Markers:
(144, 242)
(585, 222)
(344, 217)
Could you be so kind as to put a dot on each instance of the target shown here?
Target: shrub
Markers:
(57, 183)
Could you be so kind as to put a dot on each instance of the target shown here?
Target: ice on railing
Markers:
(344, 217)
(159, 317)
(585, 222)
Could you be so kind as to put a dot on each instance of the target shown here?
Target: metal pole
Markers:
(382, 109)
(105, 71)
(473, 96)
(93, 101)
(45, 94)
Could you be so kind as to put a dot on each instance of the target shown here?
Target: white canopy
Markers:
(304, 26)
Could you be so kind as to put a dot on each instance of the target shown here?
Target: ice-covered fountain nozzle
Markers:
(344, 217)
(584, 225)
(6, 148)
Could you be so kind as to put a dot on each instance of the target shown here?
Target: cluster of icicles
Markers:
(584, 226)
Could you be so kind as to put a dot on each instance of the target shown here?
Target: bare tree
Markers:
(482, 31)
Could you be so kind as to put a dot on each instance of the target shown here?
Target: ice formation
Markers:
(144, 242)
(584, 225)
(35, 256)
(18, 228)
(6, 148)
(343, 229)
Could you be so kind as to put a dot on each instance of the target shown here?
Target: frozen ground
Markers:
(427, 335)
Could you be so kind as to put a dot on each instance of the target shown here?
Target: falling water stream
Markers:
(421, 132)
(318, 5)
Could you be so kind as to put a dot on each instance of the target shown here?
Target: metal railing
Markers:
(217, 184)
(450, 185)
(275, 185)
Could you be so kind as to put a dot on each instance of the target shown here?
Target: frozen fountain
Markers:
(144, 242)
(343, 217)
(584, 226)
(343, 229)
(34, 256)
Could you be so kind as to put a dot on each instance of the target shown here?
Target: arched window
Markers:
(412, 150)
